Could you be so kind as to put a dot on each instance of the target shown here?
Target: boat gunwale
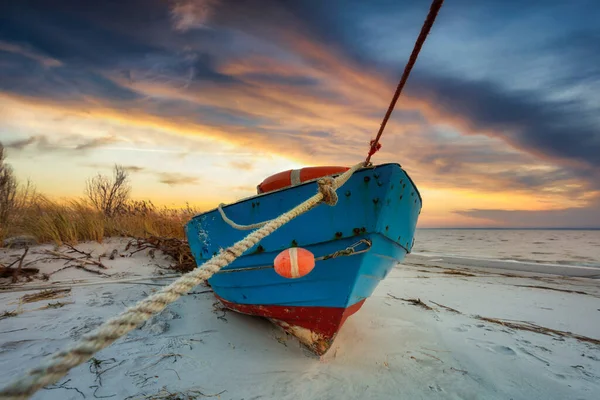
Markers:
(306, 183)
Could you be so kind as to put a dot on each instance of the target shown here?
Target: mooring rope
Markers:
(239, 226)
(433, 12)
(63, 361)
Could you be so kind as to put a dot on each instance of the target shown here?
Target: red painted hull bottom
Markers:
(315, 327)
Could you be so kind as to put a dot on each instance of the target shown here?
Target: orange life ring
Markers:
(293, 177)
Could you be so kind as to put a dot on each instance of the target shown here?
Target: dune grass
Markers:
(70, 222)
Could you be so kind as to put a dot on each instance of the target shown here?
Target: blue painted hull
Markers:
(380, 204)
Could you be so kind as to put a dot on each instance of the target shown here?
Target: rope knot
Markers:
(375, 146)
(327, 188)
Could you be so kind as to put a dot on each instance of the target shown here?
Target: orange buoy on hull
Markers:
(294, 262)
(293, 177)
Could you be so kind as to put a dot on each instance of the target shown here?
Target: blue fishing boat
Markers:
(355, 243)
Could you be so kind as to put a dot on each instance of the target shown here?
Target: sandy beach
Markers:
(434, 329)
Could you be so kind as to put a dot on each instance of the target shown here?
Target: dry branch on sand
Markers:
(446, 307)
(64, 386)
(456, 272)
(58, 304)
(520, 325)
(164, 394)
(86, 259)
(8, 314)
(527, 326)
(555, 289)
(74, 262)
(415, 302)
(177, 249)
(14, 273)
(49, 294)
(6, 272)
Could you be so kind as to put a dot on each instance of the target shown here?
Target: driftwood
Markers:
(6, 272)
(85, 260)
(177, 249)
(45, 295)
(15, 273)
(82, 262)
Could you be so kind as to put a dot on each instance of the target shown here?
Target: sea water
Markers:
(562, 247)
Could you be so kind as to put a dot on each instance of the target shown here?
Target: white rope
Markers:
(295, 179)
(60, 363)
(238, 226)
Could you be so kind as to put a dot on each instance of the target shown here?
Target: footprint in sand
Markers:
(176, 343)
(532, 354)
(504, 350)
(581, 370)
(435, 388)
(88, 325)
(462, 328)
(493, 347)
(158, 324)
(106, 299)
(10, 346)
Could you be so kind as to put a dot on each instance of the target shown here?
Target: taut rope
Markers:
(433, 11)
(61, 362)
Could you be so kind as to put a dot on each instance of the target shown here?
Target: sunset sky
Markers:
(499, 124)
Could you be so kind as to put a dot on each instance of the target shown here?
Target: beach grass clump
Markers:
(104, 210)
(74, 221)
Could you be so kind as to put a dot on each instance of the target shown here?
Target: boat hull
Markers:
(315, 327)
(375, 216)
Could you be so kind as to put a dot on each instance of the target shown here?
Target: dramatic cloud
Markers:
(502, 99)
(552, 129)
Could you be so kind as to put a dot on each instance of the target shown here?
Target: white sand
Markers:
(389, 349)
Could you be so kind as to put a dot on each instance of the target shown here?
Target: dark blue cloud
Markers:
(25, 76)
(558, 129)
(83, 33)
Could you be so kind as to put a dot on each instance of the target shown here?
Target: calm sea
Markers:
(565, 247)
